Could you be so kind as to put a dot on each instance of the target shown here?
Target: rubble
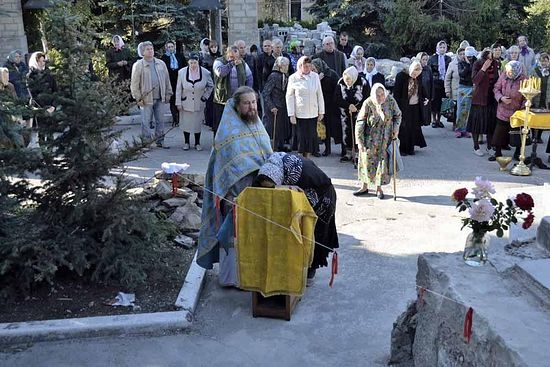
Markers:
(186, 242)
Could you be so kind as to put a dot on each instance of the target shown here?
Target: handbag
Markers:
(321, 130)
(448, 107)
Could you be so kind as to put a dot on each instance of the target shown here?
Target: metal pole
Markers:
(274, 127)
(394, 158)
(352, 140)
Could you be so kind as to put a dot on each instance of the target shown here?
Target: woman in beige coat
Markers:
(192, 91)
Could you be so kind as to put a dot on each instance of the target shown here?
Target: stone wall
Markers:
(243, 21)
(12, 33)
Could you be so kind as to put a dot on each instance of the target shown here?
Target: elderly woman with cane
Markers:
(377, 125)
(275, 115)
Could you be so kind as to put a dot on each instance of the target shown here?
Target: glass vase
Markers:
(475, 251)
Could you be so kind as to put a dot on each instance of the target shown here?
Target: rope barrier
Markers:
(468, 318)
(233, 203)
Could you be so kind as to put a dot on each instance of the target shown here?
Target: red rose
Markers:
(460, 194)
(524, 201)
(527, 222)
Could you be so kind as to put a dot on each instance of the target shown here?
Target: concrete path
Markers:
(348, 325)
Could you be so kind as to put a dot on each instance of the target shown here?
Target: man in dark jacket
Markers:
(336, 60)
(262, 64)
(343, 45)
(439, 63)
(174, 62)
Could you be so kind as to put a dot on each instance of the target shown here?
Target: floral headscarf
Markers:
(373, 91)
(320, 65)
(273, 168)
(11, 56)
(278, 61)
(516, 68)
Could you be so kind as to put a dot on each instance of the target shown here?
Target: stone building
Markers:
(12, 32)
(284, 10)
(243, 21)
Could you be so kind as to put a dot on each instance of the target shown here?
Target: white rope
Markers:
(257, 215)
(442, 296)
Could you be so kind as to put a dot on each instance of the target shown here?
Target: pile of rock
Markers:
(311, 39)
(184, 208)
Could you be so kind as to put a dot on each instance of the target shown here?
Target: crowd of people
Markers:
(258, 102)
(297, 94)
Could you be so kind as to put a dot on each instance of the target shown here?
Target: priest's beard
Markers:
(249, 117)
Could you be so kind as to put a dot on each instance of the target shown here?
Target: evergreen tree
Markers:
(77, 220)
(155, 21)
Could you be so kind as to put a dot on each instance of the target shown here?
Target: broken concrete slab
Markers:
(174, 202)
(543, 233)
(509, 326)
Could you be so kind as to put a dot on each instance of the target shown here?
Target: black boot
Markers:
(327, 147)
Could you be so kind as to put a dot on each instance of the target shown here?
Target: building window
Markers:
(296, 9)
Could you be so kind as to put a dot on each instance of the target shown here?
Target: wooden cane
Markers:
(394, 142)
(352, 140)
(274, 126)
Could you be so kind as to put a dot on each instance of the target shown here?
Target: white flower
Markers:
(483, 188)
(481, 210)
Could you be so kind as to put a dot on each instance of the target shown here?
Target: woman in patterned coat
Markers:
(293, 170)
(377, 124)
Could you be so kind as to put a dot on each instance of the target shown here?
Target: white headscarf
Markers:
(415, 64)
(353, 73)
(374, 71)
(120, 41)
(33, 61)
(373, 90)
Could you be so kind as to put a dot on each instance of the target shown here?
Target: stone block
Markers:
(509, 326)
(543, 233)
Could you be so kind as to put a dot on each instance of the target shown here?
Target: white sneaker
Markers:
(185, 146)
(478, 152)
(198, 147)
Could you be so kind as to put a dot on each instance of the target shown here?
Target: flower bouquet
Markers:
(487, 214)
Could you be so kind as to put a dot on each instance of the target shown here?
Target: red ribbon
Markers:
(468, 320)
(174, 184)
(234, 221)
(334, 270)
(218, 211)
(421, 293)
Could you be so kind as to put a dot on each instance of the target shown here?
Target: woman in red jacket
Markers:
(509, 101)
(482, 74)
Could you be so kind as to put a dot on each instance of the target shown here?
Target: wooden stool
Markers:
(277, 307)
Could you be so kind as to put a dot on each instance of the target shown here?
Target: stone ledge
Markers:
(86, 327)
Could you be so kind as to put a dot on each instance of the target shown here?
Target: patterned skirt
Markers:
(464, 103)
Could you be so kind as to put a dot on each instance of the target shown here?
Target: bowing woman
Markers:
(293, 170)
(377, 124)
